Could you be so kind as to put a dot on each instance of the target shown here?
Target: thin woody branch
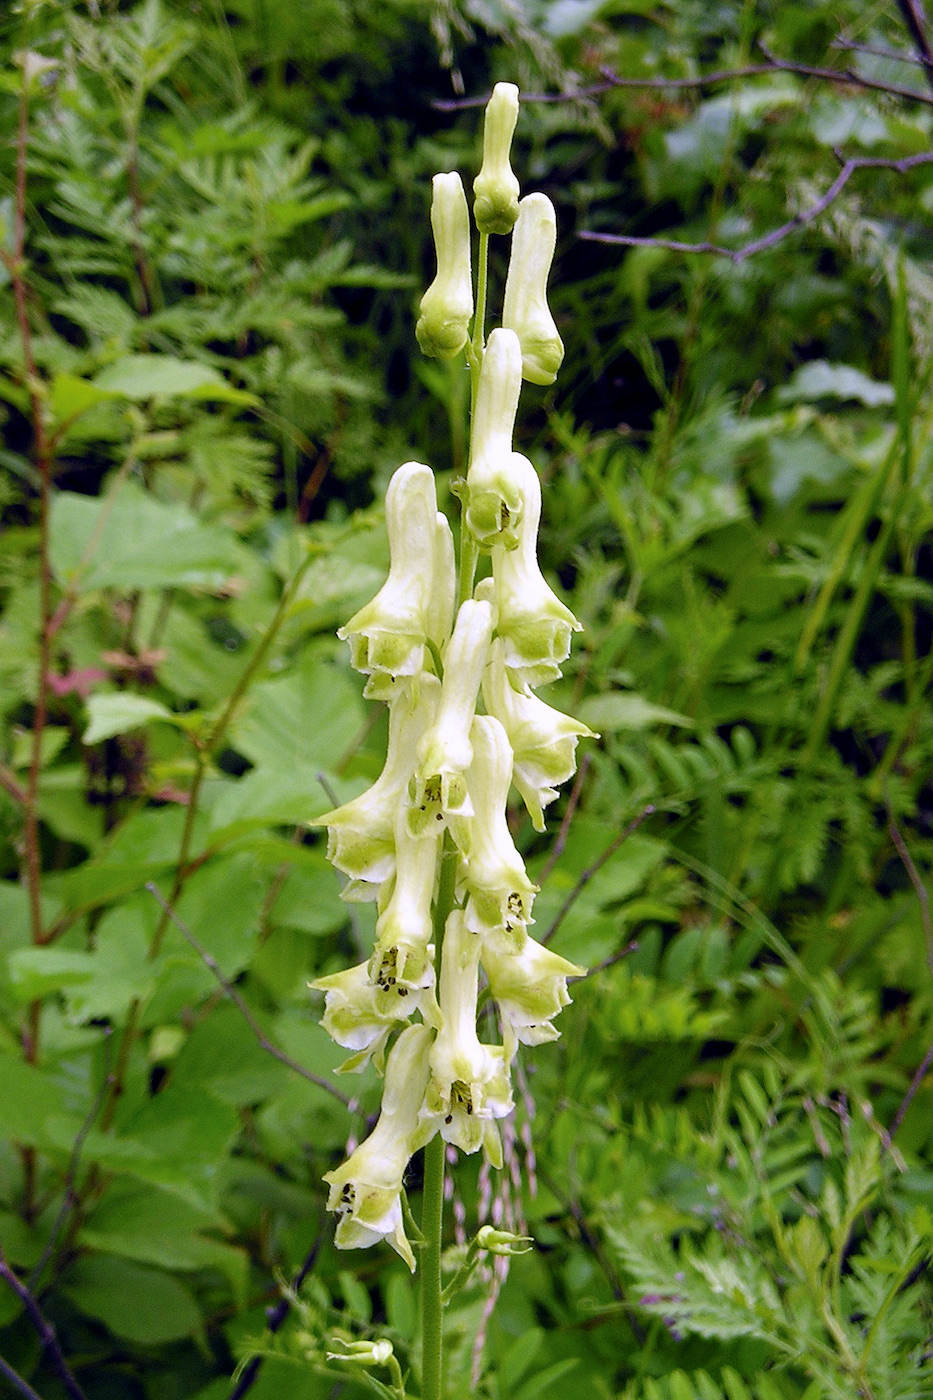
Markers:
(44, 1330)
(849, 166)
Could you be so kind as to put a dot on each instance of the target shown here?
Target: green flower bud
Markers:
(525, 309)
(502, 1241)
(495, 189)
(543, 740)
(494, 500)
(366, 1190)
(362, 1353)
(447, 305)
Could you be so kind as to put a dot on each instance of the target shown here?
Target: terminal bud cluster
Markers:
(465, 726)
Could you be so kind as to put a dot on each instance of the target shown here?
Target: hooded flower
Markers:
(495, 189)
(447, 305)
(529, 988)
(401, 960)
(360, 834)
(543, 740)
(469, 1085)
(366, 1190)
(360, 1014)
(500, 892)
(494, 499)
(387, 636)
(534, 624)
(525, 310)
(438, 788)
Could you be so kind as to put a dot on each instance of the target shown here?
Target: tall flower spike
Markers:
(400, 959)
(500, 892)
(495, 189)
(529, 988)
(361, 1015)
(534, 624)
(361, 833)
(469, 1085)
(494, 499)
(525, 309)
(366, 1190)
(543, 740)
(387, 636)
(447, 305)
(438, 788)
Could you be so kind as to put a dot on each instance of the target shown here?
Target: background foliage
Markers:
(222, 239)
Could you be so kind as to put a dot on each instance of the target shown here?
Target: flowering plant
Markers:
(430, 841)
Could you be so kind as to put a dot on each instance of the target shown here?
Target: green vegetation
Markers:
(214, 239)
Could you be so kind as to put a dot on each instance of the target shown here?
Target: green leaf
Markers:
(306, 720)
(624, 710)
(134, 541)
(33, 1107)
(70, 396)
(141, 377)
(115, 712)
(35, 972)
(820, 380)
(141, 1304)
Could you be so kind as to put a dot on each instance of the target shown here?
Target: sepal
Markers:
(500, 892)
(529, 988)
(494, 499)
(525, 308)
(447, 305)
(361, 1015)
(495, 189)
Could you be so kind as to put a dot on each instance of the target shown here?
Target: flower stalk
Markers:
(430, 841)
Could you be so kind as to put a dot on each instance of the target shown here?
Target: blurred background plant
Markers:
(213, 235)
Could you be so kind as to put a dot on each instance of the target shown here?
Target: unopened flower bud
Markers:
(525, 309)
(447, 305)
(502, 1241)
(363, 1353)
(494, 501)
(495, 188)
(500, 892)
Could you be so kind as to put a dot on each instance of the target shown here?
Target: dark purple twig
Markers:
(210, 961)
(275, 1317)
(591, 870)
(916, 26)
(737, 255)
(848, 46)
(44, 1330)
(920, 889)
(557, 850)
(616, 957)
(17, 1382)
(612, 80)
(70, 1200)
(908, 1098)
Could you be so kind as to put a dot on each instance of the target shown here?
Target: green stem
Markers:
(432, 1203)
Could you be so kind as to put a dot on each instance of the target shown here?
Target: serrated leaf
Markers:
(117, 711)
(142, 377)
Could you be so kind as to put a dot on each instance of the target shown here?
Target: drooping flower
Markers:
(365, 1190)
(438, 788)
(525, 309)
(447, 305)
(529, 988)
(495, 189)
(500, 892)
(401, 959)
(361, 1014)
(469, 1086)
(494, 499)
(543, 740)
(387, 636)
(361, 833)
(534, 624)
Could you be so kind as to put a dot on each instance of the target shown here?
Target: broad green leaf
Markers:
(820, 380)
(35, 972)
(141, 1304)
(141, 377)
(70, 396)
(133, 541)
(115, 712)
(268, 796)
(623, 710)
(33, 1107)
(223, 1057)
(121, 970)
(306, 720)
